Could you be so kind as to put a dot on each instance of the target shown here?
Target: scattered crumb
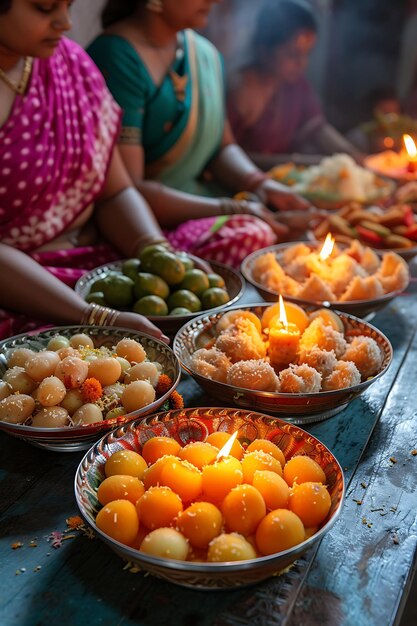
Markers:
(132, 568)
(393, 509)
(19, 571)
(393, 459)
(33, 544)
(358, 502)
(37, 568)
(16, 545)
(395, 539)
(414, 452)
(363, 485)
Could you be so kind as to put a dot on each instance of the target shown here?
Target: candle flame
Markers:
(282, 313)
(410, 146)
(225, 451)
(327, 247)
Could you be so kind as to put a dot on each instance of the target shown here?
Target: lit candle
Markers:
(284, 338)
(411, 149)
(327, 248)
(319, 262)
(222, 475)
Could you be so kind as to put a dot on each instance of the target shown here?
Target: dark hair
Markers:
(5, 6)
(278, 22)
(116, 10)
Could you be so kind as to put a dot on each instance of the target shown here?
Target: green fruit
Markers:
(97, 297)
(196, 281)
(148, 251)
(130, 268)
(166, 265)
(151, 305)
(150, 285)
(215, 296)
(184, 299)
(118, 290)
(185, 260)
(98, 284)
(216, 281)
(180, 310)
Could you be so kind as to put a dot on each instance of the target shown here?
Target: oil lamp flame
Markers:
(327, 247)
(225, 451)
(282, 313)
(410, 146)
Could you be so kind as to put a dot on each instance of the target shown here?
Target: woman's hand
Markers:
(280, 196)
(125, 319)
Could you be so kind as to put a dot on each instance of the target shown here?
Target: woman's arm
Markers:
(28, 288)
(122, 215)
(328, 140)
(171, 207)
(233, 167)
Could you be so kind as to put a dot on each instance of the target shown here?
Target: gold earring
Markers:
(155, 5)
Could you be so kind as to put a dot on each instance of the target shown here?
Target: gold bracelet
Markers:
(230, 206)
(96, 315)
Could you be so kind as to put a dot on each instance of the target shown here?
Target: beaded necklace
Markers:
(20, 88)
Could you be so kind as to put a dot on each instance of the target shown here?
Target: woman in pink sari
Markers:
(66, 202)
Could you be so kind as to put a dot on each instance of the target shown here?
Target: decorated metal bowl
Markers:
(170, 323)
(298, 408)
(360, 308)
(195, 424)
(73, 438)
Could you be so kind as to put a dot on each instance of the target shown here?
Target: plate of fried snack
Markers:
(392, 228)
(210, 498)
(335, 181)
(64, 387)
(301, 363)
(351, 278)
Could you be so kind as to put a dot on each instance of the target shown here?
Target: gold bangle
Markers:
(230, 206)
(113, 318)
(96, 315)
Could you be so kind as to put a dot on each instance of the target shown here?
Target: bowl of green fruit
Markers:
(166, 287)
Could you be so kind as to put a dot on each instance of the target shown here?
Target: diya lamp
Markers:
(411, 149)
(284, 339)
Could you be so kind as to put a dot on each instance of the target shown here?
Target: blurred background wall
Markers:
(86, 20)
(362, 45)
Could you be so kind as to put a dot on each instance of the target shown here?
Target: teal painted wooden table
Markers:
(358, 576)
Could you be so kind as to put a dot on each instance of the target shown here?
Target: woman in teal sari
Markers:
(175, 139)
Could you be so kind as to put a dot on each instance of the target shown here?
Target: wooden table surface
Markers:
(358, 576)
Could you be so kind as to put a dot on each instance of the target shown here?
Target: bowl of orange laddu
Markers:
(210, 498)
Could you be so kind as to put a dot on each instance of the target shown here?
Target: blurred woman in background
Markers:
(175, 139)
(272, 107)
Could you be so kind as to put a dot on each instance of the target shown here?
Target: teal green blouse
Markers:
(153, 109)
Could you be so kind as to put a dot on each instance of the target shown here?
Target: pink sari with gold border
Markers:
(55, 149)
